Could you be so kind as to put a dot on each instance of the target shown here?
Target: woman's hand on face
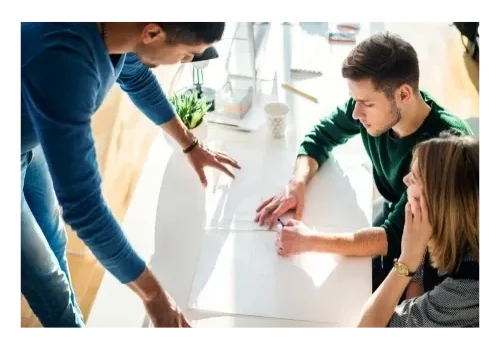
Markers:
(416, 233)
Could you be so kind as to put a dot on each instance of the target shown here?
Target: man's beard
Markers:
(396, 118)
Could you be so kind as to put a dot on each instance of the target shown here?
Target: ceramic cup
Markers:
(277, 118)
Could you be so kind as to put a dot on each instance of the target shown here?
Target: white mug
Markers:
(277, 115)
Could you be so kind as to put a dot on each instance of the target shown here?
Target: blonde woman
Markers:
(442, 219)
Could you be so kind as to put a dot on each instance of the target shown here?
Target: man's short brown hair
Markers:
(386, 59)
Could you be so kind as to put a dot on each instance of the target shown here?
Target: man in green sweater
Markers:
(392, 115)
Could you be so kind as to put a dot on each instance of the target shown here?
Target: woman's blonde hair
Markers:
(449, 170)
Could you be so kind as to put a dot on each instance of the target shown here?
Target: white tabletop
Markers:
(168, 235)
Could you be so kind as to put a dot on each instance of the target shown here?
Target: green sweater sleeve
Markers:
(394, 225)
(333, 130)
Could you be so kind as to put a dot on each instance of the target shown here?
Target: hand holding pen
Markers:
(294, 237)
(281, 222)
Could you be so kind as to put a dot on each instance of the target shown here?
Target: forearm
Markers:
(305, 168)
(367, 242)
(146, 286)
(380, 307)
(104, 237)
(178, 131)
(100, 231)
(118, 256)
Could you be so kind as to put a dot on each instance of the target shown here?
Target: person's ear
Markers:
(152, 32)
(404, 94)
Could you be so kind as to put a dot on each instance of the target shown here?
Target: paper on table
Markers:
(239, 271)
(232, 203)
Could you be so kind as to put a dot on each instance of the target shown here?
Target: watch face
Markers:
(401, 269)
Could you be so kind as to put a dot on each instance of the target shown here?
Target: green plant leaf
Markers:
(190, 108)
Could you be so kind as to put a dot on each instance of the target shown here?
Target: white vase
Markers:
(201, 131)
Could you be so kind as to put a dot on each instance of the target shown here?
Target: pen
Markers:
(297, 91)
(281, 222)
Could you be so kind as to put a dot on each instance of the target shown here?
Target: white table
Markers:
(168, 235)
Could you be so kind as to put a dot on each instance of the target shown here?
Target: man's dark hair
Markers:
(191, 33)
(386, 59)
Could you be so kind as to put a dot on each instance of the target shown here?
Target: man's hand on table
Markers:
(291, 198)
(163, 312)
(160, 307)
(201, 157)
(294, 238)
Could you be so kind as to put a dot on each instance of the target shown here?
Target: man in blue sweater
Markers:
(67, 69)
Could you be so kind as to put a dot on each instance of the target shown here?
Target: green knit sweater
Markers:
(390, 156)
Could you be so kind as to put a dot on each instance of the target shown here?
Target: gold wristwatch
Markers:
(402, 269)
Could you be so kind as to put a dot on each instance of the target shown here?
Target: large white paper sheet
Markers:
(239, 271)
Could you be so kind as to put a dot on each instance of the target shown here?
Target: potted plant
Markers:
(191, 109)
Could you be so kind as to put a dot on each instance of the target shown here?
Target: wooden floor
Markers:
(446, 72)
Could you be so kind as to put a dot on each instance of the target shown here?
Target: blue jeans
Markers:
(45, 278)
